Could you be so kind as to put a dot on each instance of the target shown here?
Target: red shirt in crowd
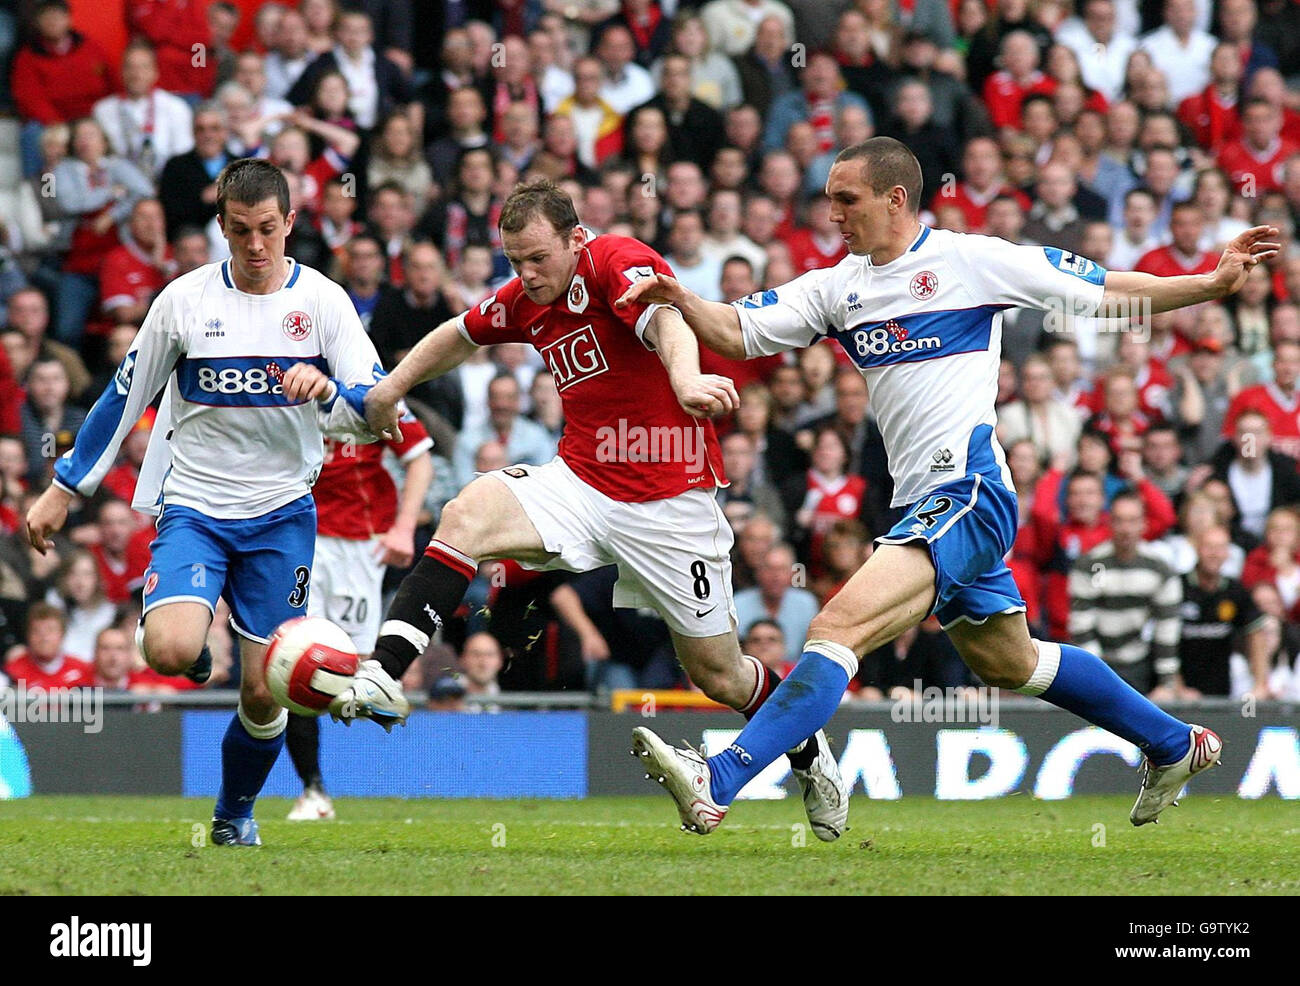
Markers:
(807, 254)
(1212, 121)
(120, 577)
(62, 672)
(1247, 167)
(1167, 261)
(974, 205)
(1281, 410)
(129, 276)
(59, 86)
(1003, 96)
(174, 27)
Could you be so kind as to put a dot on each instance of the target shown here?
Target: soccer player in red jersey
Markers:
(632, 484)
(362, 525)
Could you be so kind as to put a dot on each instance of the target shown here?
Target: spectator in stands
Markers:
(135, 270)
(982, 181)
(626, 84)
(1183, 255)
(1212, 115)
(732, 24)
(120, 567)
(146, 125)
(481, 661)
(400, 319)
(1259, 478)
(739, 458)
(446, 694)
(114, 661)
(820, 97)
(58, 76)
(49, 423)
(1277, 400)
(695, 129)
(779, 596)
(29, 313)
(1253, 161)
(1238, 20)
(1019, 77)
(79, 594)
(1053, 217)
(755, 535)
(173, 29)
(1102, 51)
(525, 441)
(765, 70)
(1135, 240)
(694, 268)
(42, 663)
(1180, 50)
(824, 495)
(913, 123)
(1040, 417)
(96, 192)
(1116, 590)
(1218, 613)
(375, 85)
(289, 56)
(765, 640)
(597, 125)
(519, 135)
(724, 237)
(190, 249)
(187, 186)
(1162, 459)
(466, 128)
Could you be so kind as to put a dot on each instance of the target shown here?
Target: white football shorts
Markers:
(347, 581)
(673, 555)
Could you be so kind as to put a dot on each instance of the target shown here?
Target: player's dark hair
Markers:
(544, 198)
(889, 163)
(249, 181)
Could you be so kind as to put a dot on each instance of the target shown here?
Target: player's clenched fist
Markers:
(382, 414)
(659, 289)
(304, 382)
(704, 395)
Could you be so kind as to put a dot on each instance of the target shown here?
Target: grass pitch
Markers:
(121, 845)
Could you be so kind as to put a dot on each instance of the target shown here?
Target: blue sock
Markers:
(1085, 685)
(245, 763)
(800, 706)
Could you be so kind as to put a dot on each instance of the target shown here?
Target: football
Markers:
(308, 662)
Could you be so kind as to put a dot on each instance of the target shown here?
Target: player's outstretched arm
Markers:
(701, 395)
(717, 325)
(1130, 292)
(443, 349)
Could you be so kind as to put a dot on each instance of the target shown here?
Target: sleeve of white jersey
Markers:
(353, 365)
(140, 376)
(1041, 277)
(784, 318)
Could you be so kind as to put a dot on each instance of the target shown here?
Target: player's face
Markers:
(861, 214)
(256, 234)
(543, 258)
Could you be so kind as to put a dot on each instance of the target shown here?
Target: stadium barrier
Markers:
(886, 749)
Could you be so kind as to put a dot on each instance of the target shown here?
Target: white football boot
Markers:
(1162, 785)
(825, 796)
(685, 774)
(373, 695)
(313, 805)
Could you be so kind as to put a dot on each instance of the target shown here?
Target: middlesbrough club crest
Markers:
(924, 285)
(297, 326)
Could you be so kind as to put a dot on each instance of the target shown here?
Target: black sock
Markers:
(302, 737)
(806, 753)
(427, 596)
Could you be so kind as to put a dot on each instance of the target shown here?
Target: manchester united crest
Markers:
(924, 285)
(578, 297)
(297, 326)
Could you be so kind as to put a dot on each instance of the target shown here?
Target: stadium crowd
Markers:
(1155, 458)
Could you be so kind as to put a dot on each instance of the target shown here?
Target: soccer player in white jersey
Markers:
(919, 311)
(632, 484)
(258, 356)
(363, 525)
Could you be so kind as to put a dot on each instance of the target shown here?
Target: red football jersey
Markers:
(624, 432)
(1003, 96)
(806, 254)
(67, 673)
(975, 206)
(119, 578)
(1283, 415)
(1243, 165)
(1166, 261)
(355, 497)
(128, 277)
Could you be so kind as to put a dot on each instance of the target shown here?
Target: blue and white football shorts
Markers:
(260, 565)
(969, 526)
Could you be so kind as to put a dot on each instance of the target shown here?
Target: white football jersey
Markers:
(926, 332)
(226, 441)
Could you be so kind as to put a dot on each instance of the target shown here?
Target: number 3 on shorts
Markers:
(302, 576)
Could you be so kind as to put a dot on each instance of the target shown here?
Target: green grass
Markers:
(121, 845)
